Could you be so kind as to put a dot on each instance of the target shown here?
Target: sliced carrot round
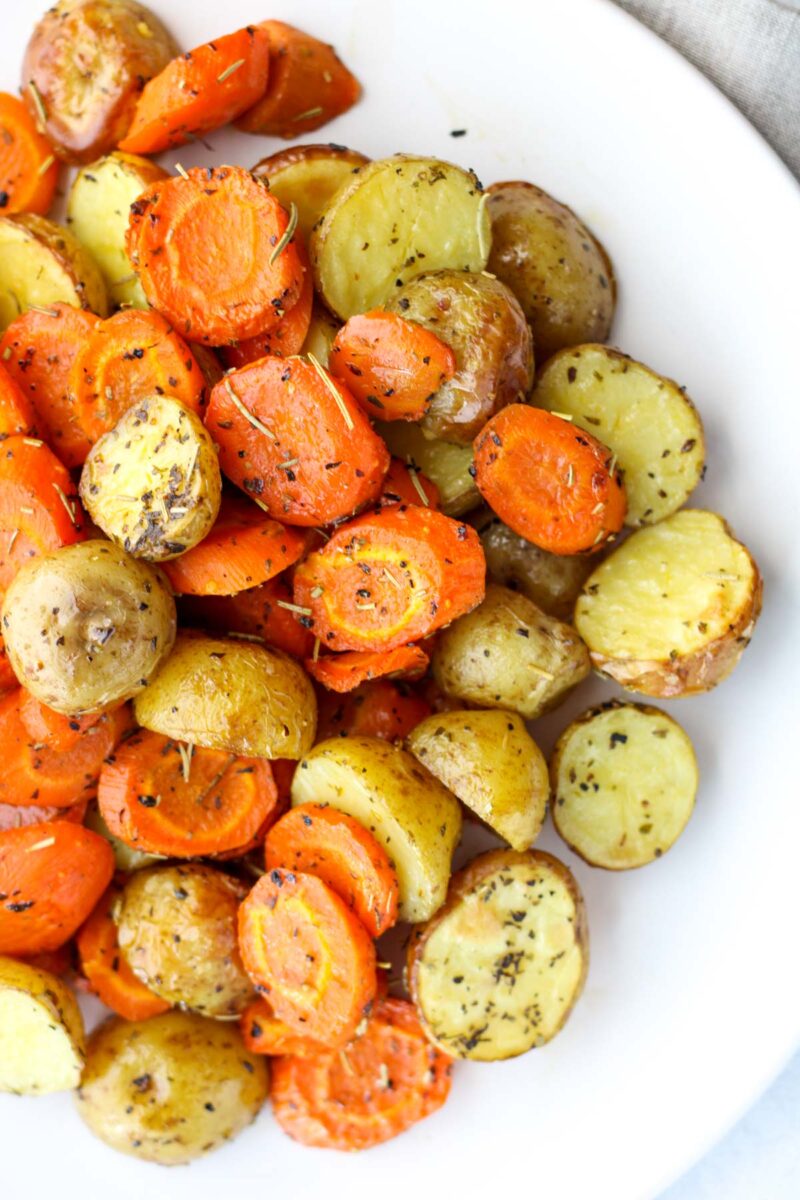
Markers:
(309, 954)
(295, 440)
(405, 484)
(214, 254)
(38, 350)
(56, 731)
(107, 972)
(9, 681)
(552, 483)
(199, 91)
(164, 797)
(39, 507)
(51, 876)
(288, 336)
(344, 672)
(264, 1033)
(383, 709)
(389, 578)
(28, 167)
(16, 413)
(263, 612)
(383, 1083)
(392, 366)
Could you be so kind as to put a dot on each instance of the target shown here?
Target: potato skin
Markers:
(42, 263)
(482, 322)
(231, 695)
(87, 626)
(176, 927)
(42, 1042)
(170, 1088)
(89, 60)
(444, 463)
(509, 654)
(557, 269)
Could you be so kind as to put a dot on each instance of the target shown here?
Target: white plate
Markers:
(692, 1001)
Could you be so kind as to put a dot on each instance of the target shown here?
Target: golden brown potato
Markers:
(557, 269)
(87, 626)
(42, 1044)
(482, 322)
(171, 1088)
(508, 654)
(445, 464)
(670, 612)
(231, 695)
(321, 334)
(308, 177)
(176, 927)
(84, 69)
(42, 263)
(500, 966)
(490, 761)
(126, 858)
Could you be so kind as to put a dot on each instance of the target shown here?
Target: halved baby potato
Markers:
(669, 612)
(413, 816)
(308, 177)
(624, 780)
(444, 463)
(398, 217)
(321, 334)
(492, 764)
(500, 966)
(126, 858)
(42, 263)
(42, 1043)
(648, 422)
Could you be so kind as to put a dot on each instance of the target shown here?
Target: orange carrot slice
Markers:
(45, 725)
(263, 612)
(383, 709)
(9, 681)
(28, 168)
(344, 672)
(108, 974)
(288, 336)
(264, 1033)
(16, 413)
(39, 507)
(405, 484)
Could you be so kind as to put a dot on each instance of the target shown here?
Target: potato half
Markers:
(499, 967)
(490, 761)
(42, 263)
(671, 610)
(42, 1043)
(171, 1088)
(624, 780)
(321, 334)
(445, 464)
(153, 483)
(398, 217)
(126, 858)
(648, 421)
(97, 213)
(415, 818)
(308, 177)
(231, 695)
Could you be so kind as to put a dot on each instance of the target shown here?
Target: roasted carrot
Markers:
(384, 709)
(334, 846)
(53, 729)
(551, 483)
(51, 876)
(263, 612)
(344, 672)
(8, 680)
(28, 167)
(12, 816)
(308, 85)
(169, 798)
(389, 578)
(392, 366)
(16, 413)
(308, 954)
(35, 773)
(405, 484)
(39, 507)
(200, 90)
(215, 254)
(125, 358)
(38, 350)
(283, 770)
(264, 1033)
(288, 336)
(107, 972)
(380, 1085)
(244, 549)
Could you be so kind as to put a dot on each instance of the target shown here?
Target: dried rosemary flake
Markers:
(334, 391)
(248, 416)
(316, 592)
(125, 279)
(298, 608)
(365, 607)
(33, 441)
(286, 466)
(287, 234)
(541, 671)
(12, 539)
(70, 509)
(418, 488)
(25, 509)
(7, 354)
(598, 508)
(390, 577)
(186, 750)
(144, 30)
(612, 466)
(483, 248)
(383, 1076)
(315, 651)
(310, 112)
(42, 845)
(226, 74)
(48, 312)
(38, 104)
(348, 1066)
(570, 475)
(46, 165)
(564, 416)
(184, 174)
(246, 637)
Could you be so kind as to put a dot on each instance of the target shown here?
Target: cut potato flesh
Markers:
(648, 422)
(309, 177)
(41, 264)
(41, 1032)
(624, 782)
(497, 971)
(444, 463)
(671, 611)
(399, 217)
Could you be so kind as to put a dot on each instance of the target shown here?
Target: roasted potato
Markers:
(153, 482)
(171, 1088)
(41, 263)
(557, 269)
(445, 464)
(176, 928)
(624, 780)
(321, 334)
(482, 322)
(551, 581)
(415, 818)
(87, 626)
(670, 611)
(84, 69)
(509, 654)
(490, 761)
(308, 177)
(499, 967)
(231, 695)
(397, 217)
(97, 213)
(648, 422)
(42, 1044)
(127, 858)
